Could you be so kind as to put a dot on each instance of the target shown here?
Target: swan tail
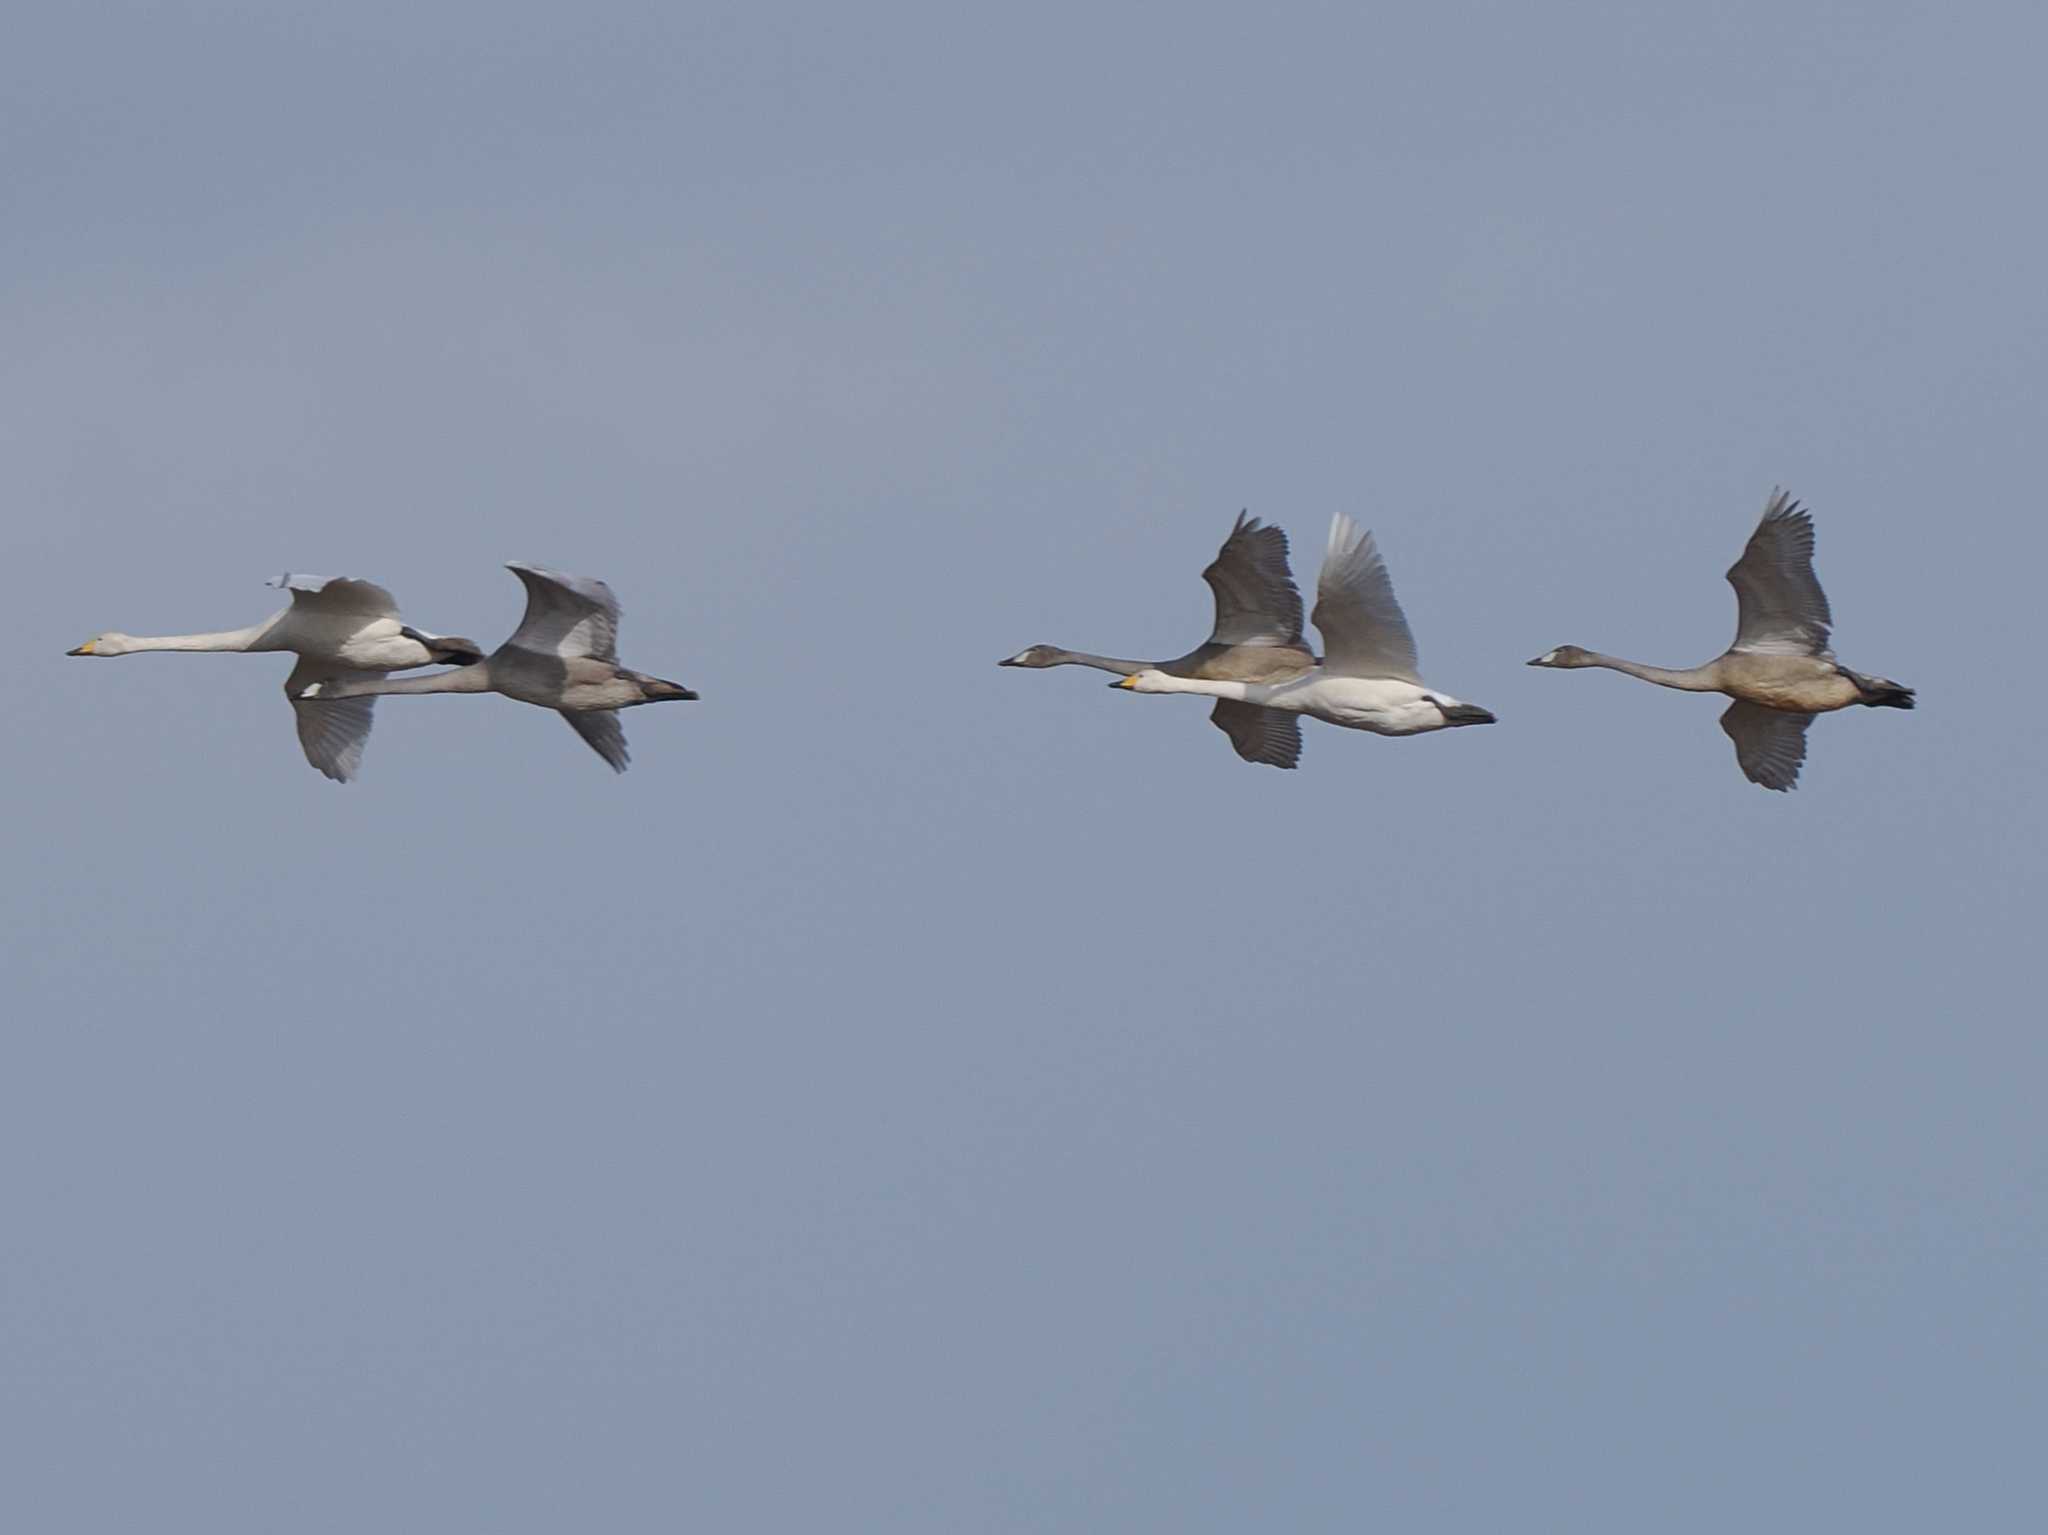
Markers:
(448, 649)
(1880, 692)
(1466, 714)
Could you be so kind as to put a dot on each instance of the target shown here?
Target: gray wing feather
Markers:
(338, 595)
(566, 615)
(1770, 744)
(1268, 736)
(1780, 608)
(332, 731)
(1365, 633)
(1257, 602)
(601, 729)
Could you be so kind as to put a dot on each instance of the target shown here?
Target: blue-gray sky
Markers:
(925, 1097)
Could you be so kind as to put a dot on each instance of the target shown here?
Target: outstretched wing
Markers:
(338, 596)
(1780, 608)
(1256, 599)
(1770, 744)
(566, 616)
(1365, 634)
(601, 729)
(1269, 736)
(332, 732)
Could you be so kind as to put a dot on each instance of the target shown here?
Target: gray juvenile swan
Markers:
(1256, 638)
(1779, 671)
(337, 627)
(563, 656)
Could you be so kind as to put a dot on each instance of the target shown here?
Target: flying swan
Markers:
(338, 627)
(1779, 671)
(1256, 638)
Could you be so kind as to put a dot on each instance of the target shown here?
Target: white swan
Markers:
(1256, 638)
(1780, 671)
(563, 656)
(1367, 680)
(336, 626)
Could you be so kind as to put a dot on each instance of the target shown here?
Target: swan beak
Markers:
(1124, 682)
(1542, 660)
(82, 650)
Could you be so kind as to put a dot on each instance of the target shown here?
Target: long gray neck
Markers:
(1693, 679)
(464, 679)
(1100, 663)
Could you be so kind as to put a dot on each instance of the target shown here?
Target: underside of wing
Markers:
(566, 615)
(338, 596)
(1257, 602)
(1365, 633)
(1780, 608)
(332, 731)
(1268, 736)
(600, 728)
(1770, 744)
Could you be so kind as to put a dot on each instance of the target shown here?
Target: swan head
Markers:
(1149, 680)
(103, 645)
(1565, 656)
(1035, 655)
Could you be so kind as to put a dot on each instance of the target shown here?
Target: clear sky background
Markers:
(923, 1097)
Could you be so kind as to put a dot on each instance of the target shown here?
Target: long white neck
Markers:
(1243, 692)
(1693, 679)
(464, 679)
(226, 639)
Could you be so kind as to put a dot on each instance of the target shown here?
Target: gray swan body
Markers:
(1780, 671)
(1256, 637)
(563, 656)
(338, 627)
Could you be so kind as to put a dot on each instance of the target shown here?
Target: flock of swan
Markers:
(1260, 671)
(1780, 671)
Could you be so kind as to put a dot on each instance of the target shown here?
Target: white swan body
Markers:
(1386, 706)
(337, 626)
(1367, 678)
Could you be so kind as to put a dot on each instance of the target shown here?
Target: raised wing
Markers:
(1256, 599)
(1365, 634)
(566, 616)
(1269, 736)
(332, 732)
(1770, 744)
(339, 596)
(1780, 608)
(601, 729)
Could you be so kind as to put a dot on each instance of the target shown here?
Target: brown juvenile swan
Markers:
(564, 656)
(1779, 671)
(337, 627)
(1257, 638)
